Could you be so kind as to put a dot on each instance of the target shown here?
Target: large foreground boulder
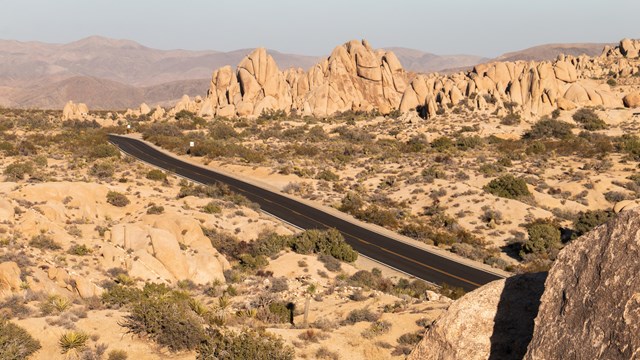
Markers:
(590, 308)
(492, 322)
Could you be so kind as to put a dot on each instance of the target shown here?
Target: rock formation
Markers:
(482, 324)
(632, 100)
(354, 77)
(74, 111)
(357, 77)
(590, 308)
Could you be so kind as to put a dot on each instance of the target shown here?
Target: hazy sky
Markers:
(481, 27)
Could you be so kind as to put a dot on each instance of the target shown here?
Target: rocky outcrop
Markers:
(482, 325)
(632, 100)
(354, 77)
(74, 111)
(9, 277)
(156, 244)
(590, 308)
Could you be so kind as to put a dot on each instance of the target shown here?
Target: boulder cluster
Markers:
(357, 77)
(587, 307)
(72, 111)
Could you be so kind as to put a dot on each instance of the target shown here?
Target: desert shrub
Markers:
(250, 262)
(469, 142)
(102, 170)
(508, 186)
(351, 203)
(511, 119)
(614, 196)
(376, 328)
(549, 128)
(44, 242)
(162, 129)
(269, 244)
(101, 151)
(359, 315)
(15, 342)
(409, 338)
(16, 306)
(156, 175)
(543, 237)
(589, 119)
(279, 284)
(452, 292)
(222, 131)
(330, 263)
(327, 175)
(72, 340)
(18, 170)
(117, 199)
(117, 355)
(79, 250)
(587, 220)
(154, 209)
(442, 143)
(376, 215)
(329, 242)
(212, 208)
(324, 353)
(247, 344)
(166, 317)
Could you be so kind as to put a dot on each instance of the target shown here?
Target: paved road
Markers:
(405, 257)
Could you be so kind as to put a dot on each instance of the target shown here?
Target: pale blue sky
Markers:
(481, 27)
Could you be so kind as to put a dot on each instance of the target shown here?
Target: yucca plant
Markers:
(73, 340)
(60, 303)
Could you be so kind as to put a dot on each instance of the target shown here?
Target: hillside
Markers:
(551, 51)
(419, 61)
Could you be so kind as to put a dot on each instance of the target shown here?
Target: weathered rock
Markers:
(144, 109)
(72, 111)
(632, 100)
(492, 322)
(354, 77)
(630, 48)
(590, 308)
(9, 277)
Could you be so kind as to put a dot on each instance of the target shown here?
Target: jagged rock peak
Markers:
(353, 77)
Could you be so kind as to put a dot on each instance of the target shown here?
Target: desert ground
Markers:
(104, 257)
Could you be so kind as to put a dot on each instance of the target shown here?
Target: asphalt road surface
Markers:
(400, 255)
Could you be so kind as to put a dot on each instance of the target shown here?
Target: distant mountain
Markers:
(551, 51)
(419, 61)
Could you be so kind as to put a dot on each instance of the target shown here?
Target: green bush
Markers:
(543, 237)
(156, 175)
(508, 186)
(330, 242)
(590, 219)
(247, 344)
(117, 199)
(442, 143)
(44, 242)
(166, 317)
(79, 250)
(511, 119)
(101, 151)
(154, 209)
(589, 120)
(549, 128)
(15, 342)
(18, 170)
(212, 208)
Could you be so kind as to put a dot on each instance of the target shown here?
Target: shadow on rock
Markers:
(517, 309)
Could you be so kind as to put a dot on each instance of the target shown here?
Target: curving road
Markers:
(400, 255)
